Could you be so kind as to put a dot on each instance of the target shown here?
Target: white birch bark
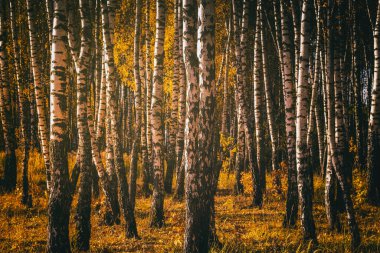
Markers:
(157, 211)
(374, 122)
(108, 18)
(302, 155)
(290, 127)
(39, 89)
(59, 200)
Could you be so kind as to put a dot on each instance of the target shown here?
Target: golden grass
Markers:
(239, 228)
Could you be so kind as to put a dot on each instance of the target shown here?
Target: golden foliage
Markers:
(123, 40)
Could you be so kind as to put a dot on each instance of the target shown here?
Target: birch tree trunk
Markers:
(180, 166)
(59, 200)
(144, 135)
(314, 88)
(173, 128)
(373, 162)
(208, 135)
(239, 187)
(356, 79)
(321, 136)
(98, 58)
(148, 80)
(277, 25)
(317, 110)
(290, 127)
(240, 54)
(190, 16)
(199, 125)
(340, 128)
(39, 89)
(270, 114)
(101, 110)
(106, 177)
(49, 17)
(80, 53)
(225, 121)
(10, 166)
(34, 141)
(330, 189)
(294, 5)
(130, 110)
(138, 106)
(239, 164)
(258, 105)
(23, 104)
(332, 81)
(304, 173)
(108, 15)
(157, 212)
(83, 211)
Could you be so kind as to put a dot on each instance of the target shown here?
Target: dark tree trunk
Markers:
(10, 166)
(60, 200)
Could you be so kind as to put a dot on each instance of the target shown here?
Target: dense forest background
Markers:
(194, 126)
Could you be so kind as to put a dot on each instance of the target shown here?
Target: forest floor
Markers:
(239, 228)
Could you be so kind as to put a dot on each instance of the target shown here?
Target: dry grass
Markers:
(240, 229)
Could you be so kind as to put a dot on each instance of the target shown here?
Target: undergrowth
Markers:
(239, 228)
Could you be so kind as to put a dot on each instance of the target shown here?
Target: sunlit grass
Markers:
(240, 229)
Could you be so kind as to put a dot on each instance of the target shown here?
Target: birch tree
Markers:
(258, 104)
(138, 105)
(190, 16)
(225, 114)
(244, 123)
(38, 88)
(59, 200)
(157, 212)
(302, 156)
(374, 122)
(358, 112)
(173, 128)
(84, 145)
(23, 104)
(290, 126)
(270, 112)
(180, 167)
(7, 116)
(335, 115)
(144, 131)
(207, 148)
(200, 110)
(108, 16)
(148, 80)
